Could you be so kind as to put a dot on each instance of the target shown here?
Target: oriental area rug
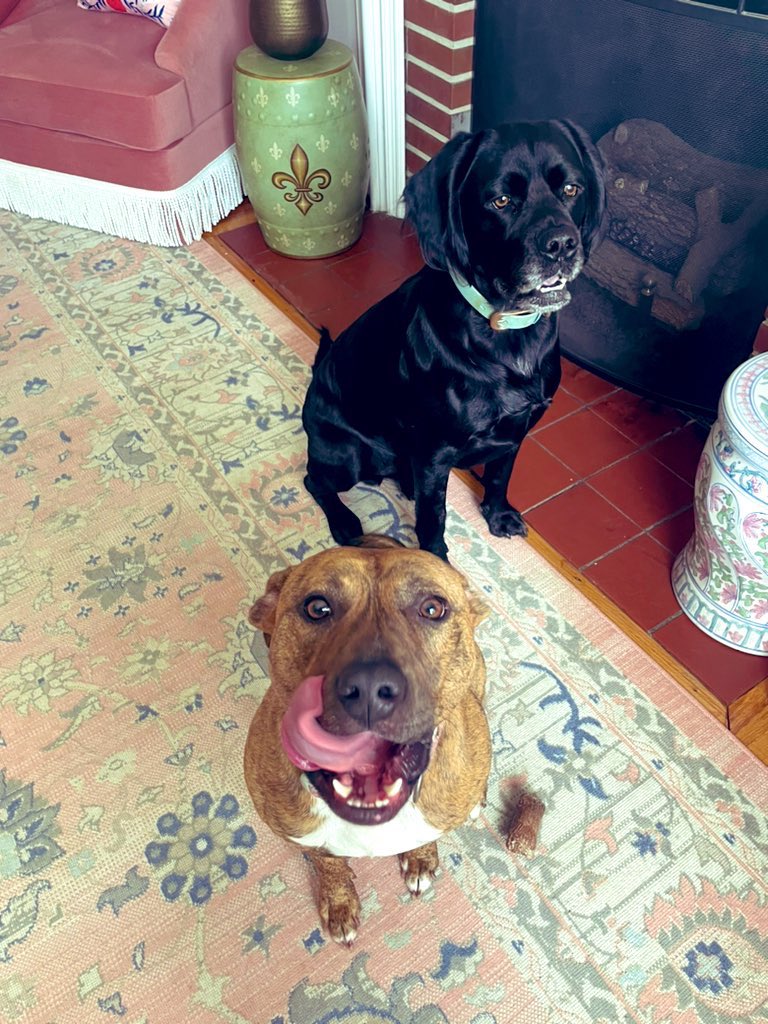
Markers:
(151, 463)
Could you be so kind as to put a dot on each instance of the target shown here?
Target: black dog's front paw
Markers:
(504, 522)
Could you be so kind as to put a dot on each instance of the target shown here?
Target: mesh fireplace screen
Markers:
(675, 95)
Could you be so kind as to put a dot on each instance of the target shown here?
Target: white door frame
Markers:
(382, 44)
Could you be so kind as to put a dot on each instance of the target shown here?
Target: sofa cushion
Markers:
(99, 79)
(162, 13)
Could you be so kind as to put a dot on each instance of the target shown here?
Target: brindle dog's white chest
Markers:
(406, 831)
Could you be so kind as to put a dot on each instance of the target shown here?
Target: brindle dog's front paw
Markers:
(340, 913)
(504, 522)
(418, 868)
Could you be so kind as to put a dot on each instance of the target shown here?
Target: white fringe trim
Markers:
(175, 217)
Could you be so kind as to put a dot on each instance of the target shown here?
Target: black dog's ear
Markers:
(592, 161)
(432, 202)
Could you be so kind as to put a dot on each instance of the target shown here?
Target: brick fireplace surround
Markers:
(439, 39)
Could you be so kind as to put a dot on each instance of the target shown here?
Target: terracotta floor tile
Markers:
(248, 242)
(537, 476)
(310, 290)
(583, 384)
(681, 450)
(642, 421)
(644, 489)
(581, 524)
(562, 405)
(585, 442)
(636, 578)
(725, 672)
(369, 270)
(342, 314)
(675, 532)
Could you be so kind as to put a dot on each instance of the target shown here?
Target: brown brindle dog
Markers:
(390, 631)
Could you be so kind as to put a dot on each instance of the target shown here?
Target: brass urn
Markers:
(289, 29)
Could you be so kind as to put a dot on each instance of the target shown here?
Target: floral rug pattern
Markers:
(150, 480)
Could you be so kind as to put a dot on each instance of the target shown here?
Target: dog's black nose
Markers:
(369, 691)
(557, 242)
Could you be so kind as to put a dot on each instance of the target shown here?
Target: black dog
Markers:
(455, 367)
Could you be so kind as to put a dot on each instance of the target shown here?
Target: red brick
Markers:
(453, 62)
(413, 162)
(451, 95)
(422, 140)
(449, 24)
(427, 114)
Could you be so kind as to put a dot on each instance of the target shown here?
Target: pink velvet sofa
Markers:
(108, 121)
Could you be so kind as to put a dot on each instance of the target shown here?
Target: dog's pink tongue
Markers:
(310, 747)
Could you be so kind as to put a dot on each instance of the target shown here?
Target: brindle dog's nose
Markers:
(557, 242)
(369, 691)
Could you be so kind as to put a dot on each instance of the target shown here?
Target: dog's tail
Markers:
(323, 348)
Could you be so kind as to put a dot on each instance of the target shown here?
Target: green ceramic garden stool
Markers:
(302, 145)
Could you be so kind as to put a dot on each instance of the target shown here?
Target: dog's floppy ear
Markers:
(432, 202)
(262, 613)
(592, 161)
(375, 540)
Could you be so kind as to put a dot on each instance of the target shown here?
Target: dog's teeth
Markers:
(341, 790)
(394, 787)
(354, 802)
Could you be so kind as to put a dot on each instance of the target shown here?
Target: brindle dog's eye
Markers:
(433, 608)
(501, 201)
(571, 189)
(317, 607)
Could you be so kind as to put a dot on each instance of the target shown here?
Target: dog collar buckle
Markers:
(499, 320)
(513, 321)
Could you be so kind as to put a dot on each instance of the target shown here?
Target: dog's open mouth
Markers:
(376, 796)
(549, 295)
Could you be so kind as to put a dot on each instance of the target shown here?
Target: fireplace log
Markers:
(661, 229)
(650, 150)
(621, 272)
(714, 240)
(679, 223)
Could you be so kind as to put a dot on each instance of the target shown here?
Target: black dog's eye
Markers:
(433, 608)
(571, 189)
(317, 607)
(501, 201)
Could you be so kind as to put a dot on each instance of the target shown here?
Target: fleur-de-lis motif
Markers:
(323, 144)
(293, 97)
(333, 98)
(275, 151)
(307, 185)
(355, 141)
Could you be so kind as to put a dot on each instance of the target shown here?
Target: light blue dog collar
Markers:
(499, 321)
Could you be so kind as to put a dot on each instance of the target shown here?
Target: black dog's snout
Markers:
(557, 242)
(369, 691)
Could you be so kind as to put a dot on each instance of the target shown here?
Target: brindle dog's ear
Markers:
(592, 225)
(375, 540)
(477, 607)
(432, 202)
(262, 613)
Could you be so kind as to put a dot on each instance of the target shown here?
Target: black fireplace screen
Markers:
(676, 96)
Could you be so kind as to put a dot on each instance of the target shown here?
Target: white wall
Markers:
(342, 25)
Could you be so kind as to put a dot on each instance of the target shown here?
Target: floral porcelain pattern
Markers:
(150, 481)
(721, 577)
